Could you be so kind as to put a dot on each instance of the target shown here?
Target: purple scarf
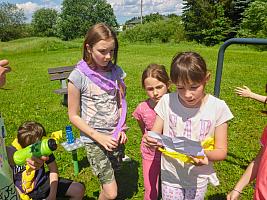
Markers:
(108, 85)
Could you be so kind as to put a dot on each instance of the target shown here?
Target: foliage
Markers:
(37, 45)
(161, 30)
(234, 11)
(11, 22)
(254, 23)
(219, 30)
(44, 21)
(77, 16)
(205, 22)
(28, 95)
(147, 18)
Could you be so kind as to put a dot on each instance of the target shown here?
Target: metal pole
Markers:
(141, 11)
(221, 57)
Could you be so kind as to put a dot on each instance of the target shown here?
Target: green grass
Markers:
(28, 95)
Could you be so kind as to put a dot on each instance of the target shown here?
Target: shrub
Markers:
(162, 30)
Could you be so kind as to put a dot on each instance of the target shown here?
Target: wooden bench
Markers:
(61, 74)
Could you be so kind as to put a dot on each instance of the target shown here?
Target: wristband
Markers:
(237, 191)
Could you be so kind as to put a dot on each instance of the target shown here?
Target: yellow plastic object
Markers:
(207, 144)
(24, 197)
(27, 175)
(27, 179)
(57, 135)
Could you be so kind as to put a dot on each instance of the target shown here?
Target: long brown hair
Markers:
(96, 33)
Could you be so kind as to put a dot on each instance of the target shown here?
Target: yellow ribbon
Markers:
(24, 197)
(207, 144)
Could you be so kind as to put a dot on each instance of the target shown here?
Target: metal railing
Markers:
(221, 57)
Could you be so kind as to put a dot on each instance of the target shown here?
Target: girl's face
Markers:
(102, 52)
(191, 95)
(155, 89)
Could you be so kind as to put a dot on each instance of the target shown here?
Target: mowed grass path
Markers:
(28, 95)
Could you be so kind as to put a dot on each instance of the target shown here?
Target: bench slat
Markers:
(60, 76)
(61, 91)
(61, 73)
(60, 69)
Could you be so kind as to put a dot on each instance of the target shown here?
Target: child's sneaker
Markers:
(126, 158)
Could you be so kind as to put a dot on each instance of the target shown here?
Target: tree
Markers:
(205, 22)
(11, 22)
(197, 16)
(153, 17)
(234, 11)
(44, 21)
(254, 23)
(78, 16)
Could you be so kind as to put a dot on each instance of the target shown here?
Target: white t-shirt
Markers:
(196, 124)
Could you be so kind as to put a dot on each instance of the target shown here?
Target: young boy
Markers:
(47, 185)
(7, 188)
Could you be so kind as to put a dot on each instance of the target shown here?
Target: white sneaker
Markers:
(126, 158)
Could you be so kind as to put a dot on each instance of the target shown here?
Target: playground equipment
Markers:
(221, 57)
(71, 145)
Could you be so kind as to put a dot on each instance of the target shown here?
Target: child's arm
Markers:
(122, 135)
(34, 162)
(249, 175)
(246, 92)
(220, 144)
(107, 141)
(141, 125)
(53, 177)
(158, 128)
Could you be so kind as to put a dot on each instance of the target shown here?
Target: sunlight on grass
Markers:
(28, 95)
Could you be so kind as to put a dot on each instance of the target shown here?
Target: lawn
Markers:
(28, 95)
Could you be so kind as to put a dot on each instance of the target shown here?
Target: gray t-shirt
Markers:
(99, 109)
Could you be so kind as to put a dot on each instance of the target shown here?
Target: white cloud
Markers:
(126, 9)
(123, 9)
(28, 7)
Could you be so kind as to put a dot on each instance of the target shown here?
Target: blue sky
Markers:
(123, 9)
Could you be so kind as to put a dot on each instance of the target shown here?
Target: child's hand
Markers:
(107, 141)
(243, 92)
(3, 70)
(151, 142)
(36, 163)
(233, 195)
(122, 138)
(200, 161)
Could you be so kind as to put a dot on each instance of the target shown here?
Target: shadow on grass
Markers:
(217, 197)
(127, 179)
(83, 163)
